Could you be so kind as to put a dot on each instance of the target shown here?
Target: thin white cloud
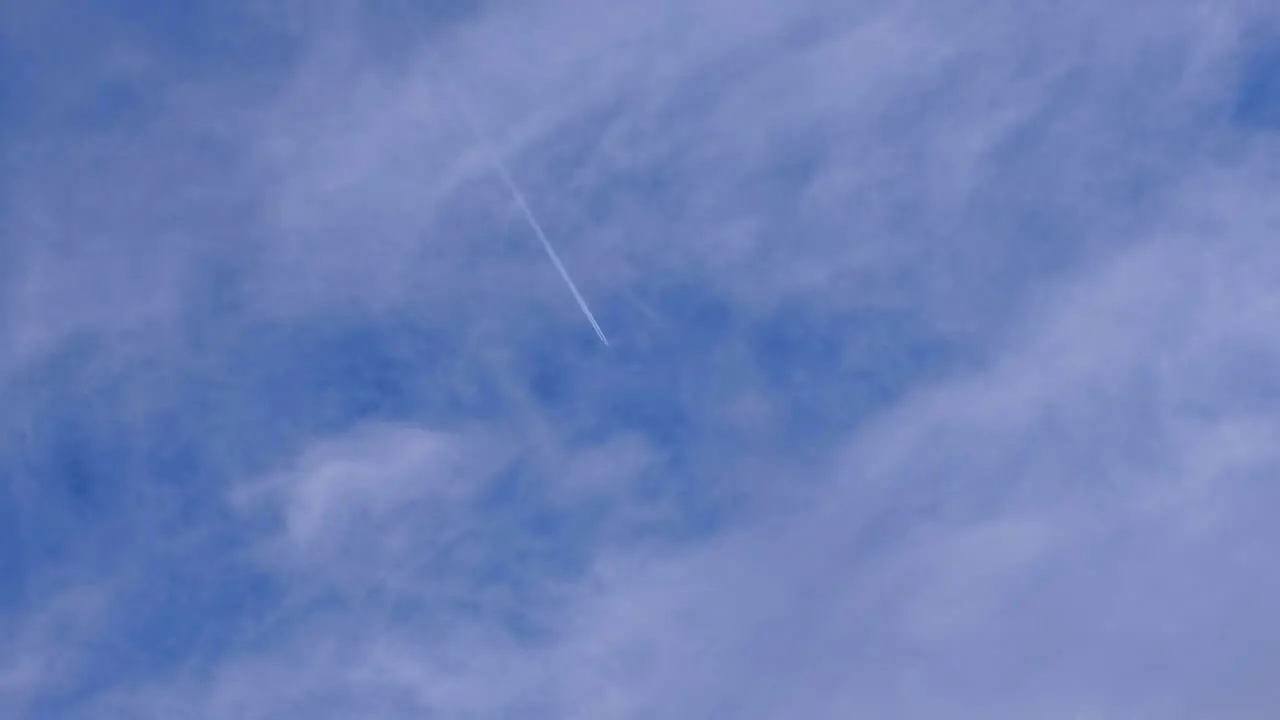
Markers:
(1075, 529)
(366, 500)
(920, 128)
(1067, 532)
(44, 651)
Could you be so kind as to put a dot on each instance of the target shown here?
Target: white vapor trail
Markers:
(546, 244)
(504, 172)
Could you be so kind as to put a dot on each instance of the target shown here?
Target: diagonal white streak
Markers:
(504, 172)
(546, 244)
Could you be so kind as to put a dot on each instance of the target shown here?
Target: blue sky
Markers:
(943, 378)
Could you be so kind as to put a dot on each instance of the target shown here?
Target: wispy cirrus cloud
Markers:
(942, 380)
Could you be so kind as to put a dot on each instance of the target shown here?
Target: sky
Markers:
(943, 378)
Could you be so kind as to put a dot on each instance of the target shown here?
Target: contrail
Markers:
(504, 172)
(546, 244)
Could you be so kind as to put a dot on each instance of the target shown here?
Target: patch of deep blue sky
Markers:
(1258, 93)
(114, 464)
